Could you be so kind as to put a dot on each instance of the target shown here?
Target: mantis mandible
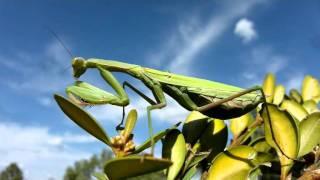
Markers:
(214, 99)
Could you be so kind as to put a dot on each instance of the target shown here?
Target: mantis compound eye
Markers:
(79, 66)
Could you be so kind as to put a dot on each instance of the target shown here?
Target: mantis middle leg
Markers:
(158, 104)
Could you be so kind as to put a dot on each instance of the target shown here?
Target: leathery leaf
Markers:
(234, 163)
(174, 148)
(281, 131)
(295, 109)
(269, 86)
(214, 139)
(239, 124)
(156, 138)
(310, 106)
(279, 93)
(309, 133)
(310, 88)
(193, 126)
(130, 122)
(82, 118)
(130, 166)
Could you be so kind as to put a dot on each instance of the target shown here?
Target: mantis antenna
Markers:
(60, 41)
(62, 44)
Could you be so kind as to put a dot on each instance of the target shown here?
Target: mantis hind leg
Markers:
(236, 95)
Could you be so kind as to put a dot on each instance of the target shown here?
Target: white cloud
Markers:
(40, 153)
(193, 36)
(245, 29)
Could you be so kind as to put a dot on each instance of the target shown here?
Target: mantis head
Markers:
(79, 66)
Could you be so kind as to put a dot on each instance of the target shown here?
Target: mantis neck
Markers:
(116, 66)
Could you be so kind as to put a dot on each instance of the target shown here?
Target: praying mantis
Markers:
(214, 99)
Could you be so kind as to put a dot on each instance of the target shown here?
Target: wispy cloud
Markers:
(261, 60)
(244, 28)
(294, 81)
(40, 153)
(37, 73)
(189, 40)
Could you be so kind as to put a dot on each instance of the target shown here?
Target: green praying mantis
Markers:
(214, 99)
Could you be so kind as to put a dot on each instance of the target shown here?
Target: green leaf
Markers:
(279, 93)
(235, 163)
(174, 148)
(131, 166)
(281, 131)
(82, 118)
(193, 126)
(198, 158)
(295, 109)
(190, 173)
(295, 95)
(311, 106)
(310, 88)
(156, 138)
(260, 145)
(239, 124)
(269, 86)
(214, 139)
(130, 122)
(309, 133)
(100, 176)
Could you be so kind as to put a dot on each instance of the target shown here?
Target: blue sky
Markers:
(234, 42)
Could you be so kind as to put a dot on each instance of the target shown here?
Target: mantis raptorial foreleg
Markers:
(96, 95)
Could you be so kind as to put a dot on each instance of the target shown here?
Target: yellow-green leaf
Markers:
(309, 133)
(260, 145)
(310, 88)
(190, 173)
(174, 148)
(235, 163)
(82, 118)
(193, 126)
(131, 166)
(286, 165)
(146, 144)
(130, 122)
(238, 125)
(100, 176)
(214, 138)
(295, 95)
(279, 93)
(269, 86)
(310, 106)
(281, 131)
(295, 109)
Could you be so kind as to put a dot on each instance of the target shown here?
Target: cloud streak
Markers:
(189, 40)
(261, 60)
